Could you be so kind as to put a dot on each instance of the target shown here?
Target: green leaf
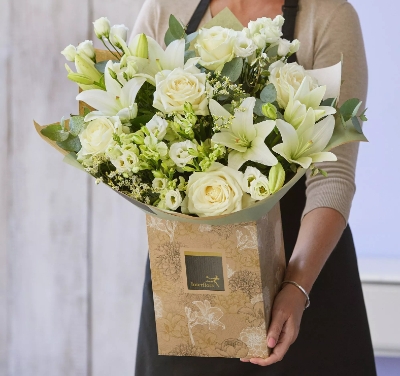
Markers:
(329, 102)
(175, 27)
(268, 94)
(273, 51)
(189, 55)
(189, 38)
(71, 144)
(228, 107)
(169, 38)
(102, 65)
(343, 135)
(258, 107)
(76, 125)
(233, 69)
(55, 132)
(356, 124)
(138, 122)
(350, 108)
(363, 117)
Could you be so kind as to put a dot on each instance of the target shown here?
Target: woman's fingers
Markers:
(278, 321)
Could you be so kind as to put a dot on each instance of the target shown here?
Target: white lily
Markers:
(116, 100)
(305, 145)
(304, 99)
(245, 138)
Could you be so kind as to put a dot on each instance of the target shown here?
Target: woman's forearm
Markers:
(319, 233)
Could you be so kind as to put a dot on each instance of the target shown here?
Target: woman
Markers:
(334, 338)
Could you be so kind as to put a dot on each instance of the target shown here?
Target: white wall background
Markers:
(72, 254)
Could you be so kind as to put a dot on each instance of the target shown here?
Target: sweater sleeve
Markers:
(342, 34)
(148, 20)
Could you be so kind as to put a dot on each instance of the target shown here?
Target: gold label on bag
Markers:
(204, 270)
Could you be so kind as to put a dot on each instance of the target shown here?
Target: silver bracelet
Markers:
(301, 289)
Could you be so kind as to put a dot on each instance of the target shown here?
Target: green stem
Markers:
(118, 58)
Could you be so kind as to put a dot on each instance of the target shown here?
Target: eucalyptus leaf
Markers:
(101, 67)
(189, 55)
(329, 102)
(258, 107)
(228, 107)
(343, 135)
(55, 132)
(356, 124)
(76, 125)
(72, 143)
(138, 122)
(169, 38)
(189, 38)
(268, 94)
(175, 27)
(233, 69)
(273, 51)
(350, 108)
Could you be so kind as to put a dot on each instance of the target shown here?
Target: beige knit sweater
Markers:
(325, 28)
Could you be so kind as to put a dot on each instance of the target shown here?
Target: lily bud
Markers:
(87, 49)
(140, 46)
(137, 139)
(87, 68)
(69, 52)
(102, 27)
(158, 174)
(276, 178)
(80, 79)
(294, 46)
(270, 111)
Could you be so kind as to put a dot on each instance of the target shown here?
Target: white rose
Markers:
(98, 134)
(179, 152)
(128, 160)
(215, 46)
(284, 76)
(87, 49)
(249, 176)
(215, 192)
(265, 30)
(158, 126)
(173, 199)
(294, 46)
(159, 184)
(118, 31)
(175, 88)
(244, 46)
(69, 52)
(283, 47)
(259, 188)
(102, 27)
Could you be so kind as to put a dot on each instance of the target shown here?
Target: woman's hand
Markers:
(287, 312)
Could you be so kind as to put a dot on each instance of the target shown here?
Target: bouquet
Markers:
(216, 123)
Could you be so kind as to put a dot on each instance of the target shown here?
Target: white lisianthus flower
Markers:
(118, 31)
(265, 31)
(179, 152)
(69, 52)
(87, 49)
(259, 188)
(215, 192)
(244, 46)
(102, 27)
(158, 126)
(306, 144)
(98, 134)
(286, 76)
(127, 160)
(251, 174)
(173, 199)
(175, 88)
(283, 47)
(215, 46)
(159, 184)
(155, 148)
(294, 46)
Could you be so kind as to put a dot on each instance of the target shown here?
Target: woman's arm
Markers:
(328, 199)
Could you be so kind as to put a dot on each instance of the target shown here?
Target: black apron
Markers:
(334, 338)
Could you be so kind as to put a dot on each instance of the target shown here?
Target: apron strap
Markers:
(290, 9)
(198, 15)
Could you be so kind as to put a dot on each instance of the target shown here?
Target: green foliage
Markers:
(258, 107)
(356, 124)
(268, 94)
(175, 31)
(55, 132)
(189, 54)
(72, 143)
(140, 121)
(169, 38)
(233, 69)
(350, 108)
(76, 125)
(272, 52)
(329, 102)
(101, 67)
